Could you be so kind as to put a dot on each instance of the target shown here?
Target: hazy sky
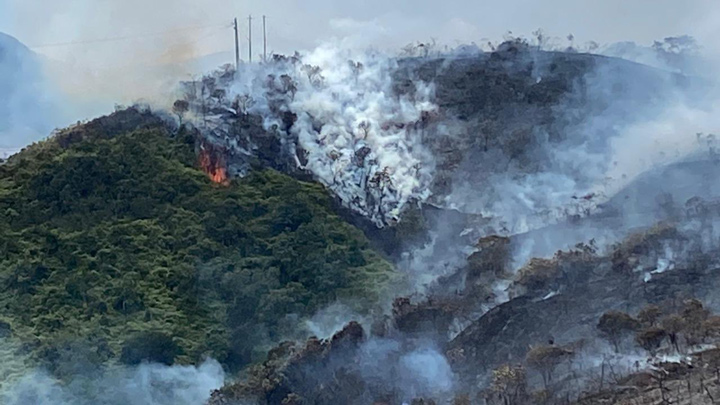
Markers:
(295, 24)
(96, 75)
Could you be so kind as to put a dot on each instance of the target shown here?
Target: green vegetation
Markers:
(118, 245)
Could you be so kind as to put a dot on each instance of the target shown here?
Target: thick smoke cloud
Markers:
(350, 129)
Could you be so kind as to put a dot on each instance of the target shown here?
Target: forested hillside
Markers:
(115, 246)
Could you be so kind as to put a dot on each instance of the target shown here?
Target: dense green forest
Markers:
(114, 246)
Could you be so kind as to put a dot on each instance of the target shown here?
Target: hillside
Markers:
(531, 129)
(523, 268)
(117, 247)
(547, 345)
(233, 227)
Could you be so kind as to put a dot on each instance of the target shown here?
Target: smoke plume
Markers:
(336, 116)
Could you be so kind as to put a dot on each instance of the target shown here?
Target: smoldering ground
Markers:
(667, 116)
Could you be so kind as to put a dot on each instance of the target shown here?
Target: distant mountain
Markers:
(6, 152)
(28, 107)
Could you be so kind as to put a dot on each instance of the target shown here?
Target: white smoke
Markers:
(147, 384)
(635, 125)
(359, 110)
(352, 131)
(416, 371)
(330, 320)
(677, 54)
(426, 372)
(369, 143)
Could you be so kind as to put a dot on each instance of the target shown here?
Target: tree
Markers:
(364, 129)
(545, 359)
(539, 273)
(509, 383)
(677, 45)
(314, 74)
(592, 46)
(677, 52)
(711, 327)
(650, 339)
(288, 86)
(356, 68)
(462, 399)
(673, 325)
(694, 315)
(242, 104)
(180, 107)
(144, 243)
(540, 37)
(219, 94)
(409, 50)
(615, 326)
(380, 181)
(649, 315)
(571, 43)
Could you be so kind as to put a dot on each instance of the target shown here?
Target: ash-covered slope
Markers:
(545, 118)
(532, 146)
(556, 313)
(660, 194)
(530, 129)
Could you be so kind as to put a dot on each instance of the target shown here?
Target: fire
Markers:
(213, 165)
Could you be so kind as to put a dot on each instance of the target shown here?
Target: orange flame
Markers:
(213, 165)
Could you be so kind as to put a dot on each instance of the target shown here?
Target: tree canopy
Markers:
(110, 239)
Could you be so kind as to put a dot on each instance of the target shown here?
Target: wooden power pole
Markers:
(237, 47)
(250, 38)
(264, 41)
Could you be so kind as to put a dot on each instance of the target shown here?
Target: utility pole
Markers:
(264, 41)
(250, 38)
(237, 47)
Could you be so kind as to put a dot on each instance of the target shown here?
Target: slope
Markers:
(115, 247)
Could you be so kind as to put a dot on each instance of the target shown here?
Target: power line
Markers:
(237, 45)
(264, 41)
(250, 38)
(128, 37)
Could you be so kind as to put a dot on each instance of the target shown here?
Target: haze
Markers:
(101, 53)
(302, 25)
